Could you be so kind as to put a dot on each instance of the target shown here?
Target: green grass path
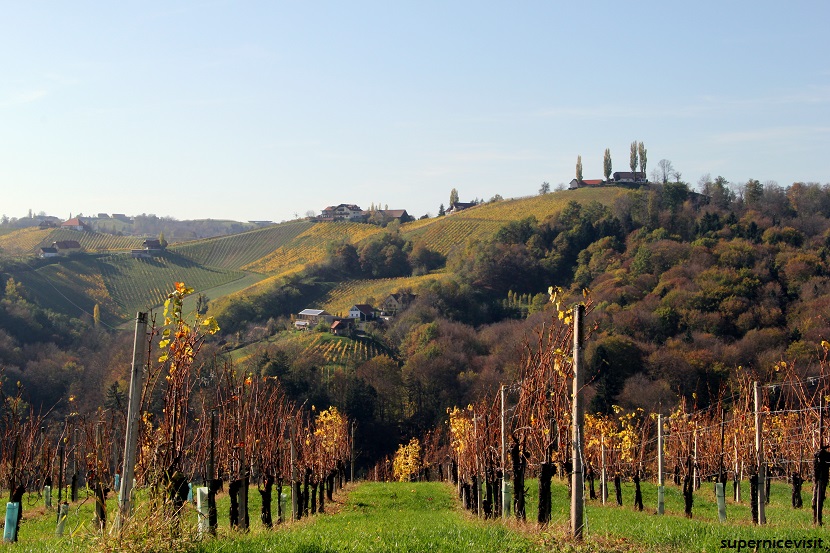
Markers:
(380, 517)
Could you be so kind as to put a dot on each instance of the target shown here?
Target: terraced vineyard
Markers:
(23, 241)
(71, 286)
(347, 294)
(237, 250)
(340, 350)
(310, 246)
(139, 284)
(442, 234)
(94, 241)
(455, 231)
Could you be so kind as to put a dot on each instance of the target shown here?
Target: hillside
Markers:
(104, 274)
(480, 223)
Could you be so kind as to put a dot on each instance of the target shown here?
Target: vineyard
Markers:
(310, 246)
(233, 429)
(140, 284)
(347, 294)
(339, 350)
(23, 241)
(237, 250)
(481, 222)
(71, 286)
(755, 432)
(93, 242)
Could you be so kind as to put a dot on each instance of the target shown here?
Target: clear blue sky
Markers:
(260, 110)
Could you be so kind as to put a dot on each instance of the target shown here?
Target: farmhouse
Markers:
(340, 327)
(587, 183)
(66, 245)
(455, 207)
(396, 302)
(628, 176)
(48, 252)
(362, 312)
(75, 224)
(342, 212)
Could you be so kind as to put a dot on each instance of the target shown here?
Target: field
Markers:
(427, 517)
(237, 250)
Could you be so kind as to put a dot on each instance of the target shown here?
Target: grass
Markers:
(380, 517)
(427, 517)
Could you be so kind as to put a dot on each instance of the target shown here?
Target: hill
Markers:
(228, 265)
(480, 223)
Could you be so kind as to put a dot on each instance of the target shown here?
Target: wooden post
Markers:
(133, 416)
(660, 467)
(759, 453)
(603, 476)
(695, 471)
(351, 452)
(213, 518)
(60, 478)
(295, 500)
(505, 495)
(578, 437)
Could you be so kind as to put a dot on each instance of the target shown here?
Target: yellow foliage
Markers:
(407, 462)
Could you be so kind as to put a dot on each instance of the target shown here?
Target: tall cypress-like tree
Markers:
(579, 168)
(633, 158)
(642, 151)
(606, 164)
(453, 197)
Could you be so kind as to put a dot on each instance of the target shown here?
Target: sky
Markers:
(268, 110)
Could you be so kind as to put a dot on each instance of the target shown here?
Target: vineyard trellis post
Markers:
(759, 452)
(604, 476)
(721, 483)
(133, 415)
(505, 491)
(213, 518)
(578, 418)
(351, 452)
(660, 469)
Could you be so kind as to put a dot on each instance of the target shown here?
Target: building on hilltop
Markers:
(585, 183)
(628, 176)
(75, 224)
(342, 212)
(455, 207)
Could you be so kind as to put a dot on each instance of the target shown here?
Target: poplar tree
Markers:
(642, 151)
(633, 159)
(606, 164)
(453, 197)
(579, 168)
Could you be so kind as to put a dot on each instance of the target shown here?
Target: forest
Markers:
(690, 289)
